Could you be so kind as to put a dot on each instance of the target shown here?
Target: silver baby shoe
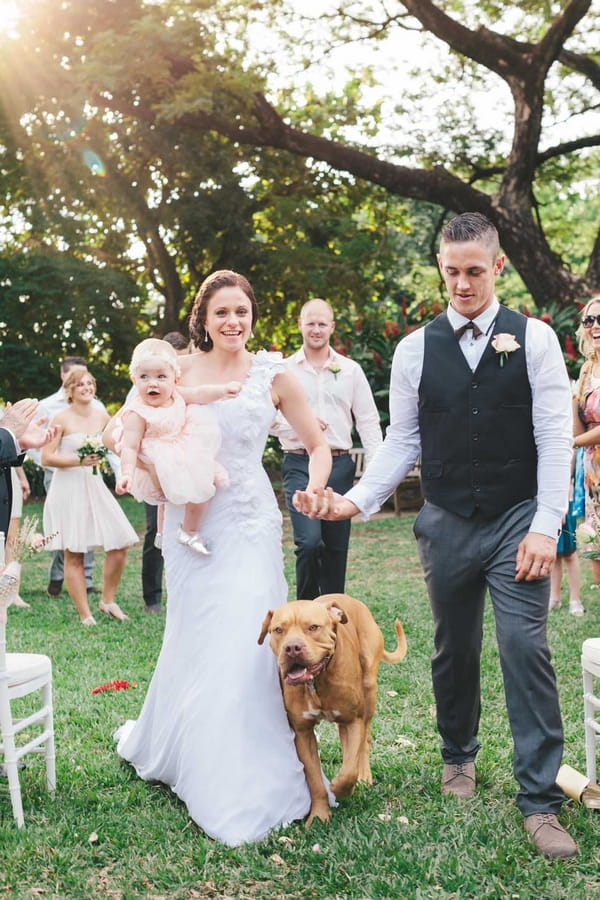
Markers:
(193, 541)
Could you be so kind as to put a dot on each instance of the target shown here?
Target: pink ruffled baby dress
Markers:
(181, 442)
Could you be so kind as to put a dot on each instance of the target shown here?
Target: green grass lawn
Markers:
(108, 834)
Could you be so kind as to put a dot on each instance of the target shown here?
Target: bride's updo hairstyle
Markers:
(223, 278)
(73, 378)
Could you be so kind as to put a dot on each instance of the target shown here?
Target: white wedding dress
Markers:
(213, 725)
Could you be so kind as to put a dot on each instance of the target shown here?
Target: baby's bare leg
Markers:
(192, 518)
(152, 473)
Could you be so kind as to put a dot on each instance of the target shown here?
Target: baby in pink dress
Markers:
(176, 443)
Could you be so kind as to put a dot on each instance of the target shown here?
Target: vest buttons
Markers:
(476, 463)
(474, 410)
(476, 488)
(475, 437)
(475, 385)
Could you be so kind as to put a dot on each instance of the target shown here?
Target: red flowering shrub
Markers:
(564, 320)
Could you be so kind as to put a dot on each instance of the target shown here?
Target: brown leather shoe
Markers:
(459, 779)
(549, 836)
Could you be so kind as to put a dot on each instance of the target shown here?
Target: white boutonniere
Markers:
(504, 344)
(334, 369)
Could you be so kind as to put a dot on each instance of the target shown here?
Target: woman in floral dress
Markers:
(587, 417)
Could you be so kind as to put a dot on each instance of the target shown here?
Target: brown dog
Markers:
(328, 651)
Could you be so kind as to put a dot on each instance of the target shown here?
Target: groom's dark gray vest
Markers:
(477, 446)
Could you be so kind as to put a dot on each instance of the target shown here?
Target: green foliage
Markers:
(565, 322)
(54, 305)
(105, 159)
(372, 338)
(35, 477)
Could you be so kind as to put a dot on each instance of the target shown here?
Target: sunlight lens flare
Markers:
(93, 162)
(9, 16)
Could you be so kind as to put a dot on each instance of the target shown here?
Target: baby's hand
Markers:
(232, 388)
(123, 484)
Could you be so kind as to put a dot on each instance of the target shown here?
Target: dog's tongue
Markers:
(298, 676)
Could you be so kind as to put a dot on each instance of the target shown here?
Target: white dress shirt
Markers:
(551, 414)
(337, 393)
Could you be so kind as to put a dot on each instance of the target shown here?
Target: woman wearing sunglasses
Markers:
(587, 416)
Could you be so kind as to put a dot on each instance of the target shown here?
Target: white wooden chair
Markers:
(590, 664)
(357, 455)
(22, 674)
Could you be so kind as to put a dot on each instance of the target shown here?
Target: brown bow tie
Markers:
(460, 331)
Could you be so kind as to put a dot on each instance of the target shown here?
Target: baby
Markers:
(177, 450)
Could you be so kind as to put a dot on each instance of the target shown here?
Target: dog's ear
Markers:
(336, 612)
(265, 626)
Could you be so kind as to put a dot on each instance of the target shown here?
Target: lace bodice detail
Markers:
(245, 420)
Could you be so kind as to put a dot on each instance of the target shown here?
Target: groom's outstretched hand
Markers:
(324, 503)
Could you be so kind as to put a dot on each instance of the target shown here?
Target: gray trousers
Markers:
(462, 558)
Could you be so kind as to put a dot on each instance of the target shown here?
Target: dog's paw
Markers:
(342, 787)
(321, 812)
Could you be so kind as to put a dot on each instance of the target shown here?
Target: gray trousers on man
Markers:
(462, 558)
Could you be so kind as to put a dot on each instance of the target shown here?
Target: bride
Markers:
(213, 726)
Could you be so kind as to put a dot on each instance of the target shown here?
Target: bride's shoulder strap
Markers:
(271, 362)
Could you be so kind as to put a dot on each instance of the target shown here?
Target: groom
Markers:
(483, 395)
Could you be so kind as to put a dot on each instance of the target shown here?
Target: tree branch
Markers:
(592, 140)
(585, 65)
(562, 27)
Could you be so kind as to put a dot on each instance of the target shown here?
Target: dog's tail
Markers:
(395, 656)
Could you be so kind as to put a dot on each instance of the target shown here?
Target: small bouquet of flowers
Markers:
(93, 445)
(26, 542)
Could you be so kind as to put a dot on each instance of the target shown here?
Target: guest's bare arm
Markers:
(289, 397)
(49, 456)
(583, 438)
(108, 434)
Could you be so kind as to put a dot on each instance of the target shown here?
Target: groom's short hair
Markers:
(472, 226)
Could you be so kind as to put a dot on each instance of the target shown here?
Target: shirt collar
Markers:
(301, 357)
(484, 320)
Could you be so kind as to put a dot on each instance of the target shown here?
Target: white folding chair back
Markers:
(22, 674)
(590, 665)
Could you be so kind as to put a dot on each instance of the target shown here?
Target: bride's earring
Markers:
(205, 336)
(251, 334)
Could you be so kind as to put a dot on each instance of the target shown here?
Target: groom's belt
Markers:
(303, 452)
